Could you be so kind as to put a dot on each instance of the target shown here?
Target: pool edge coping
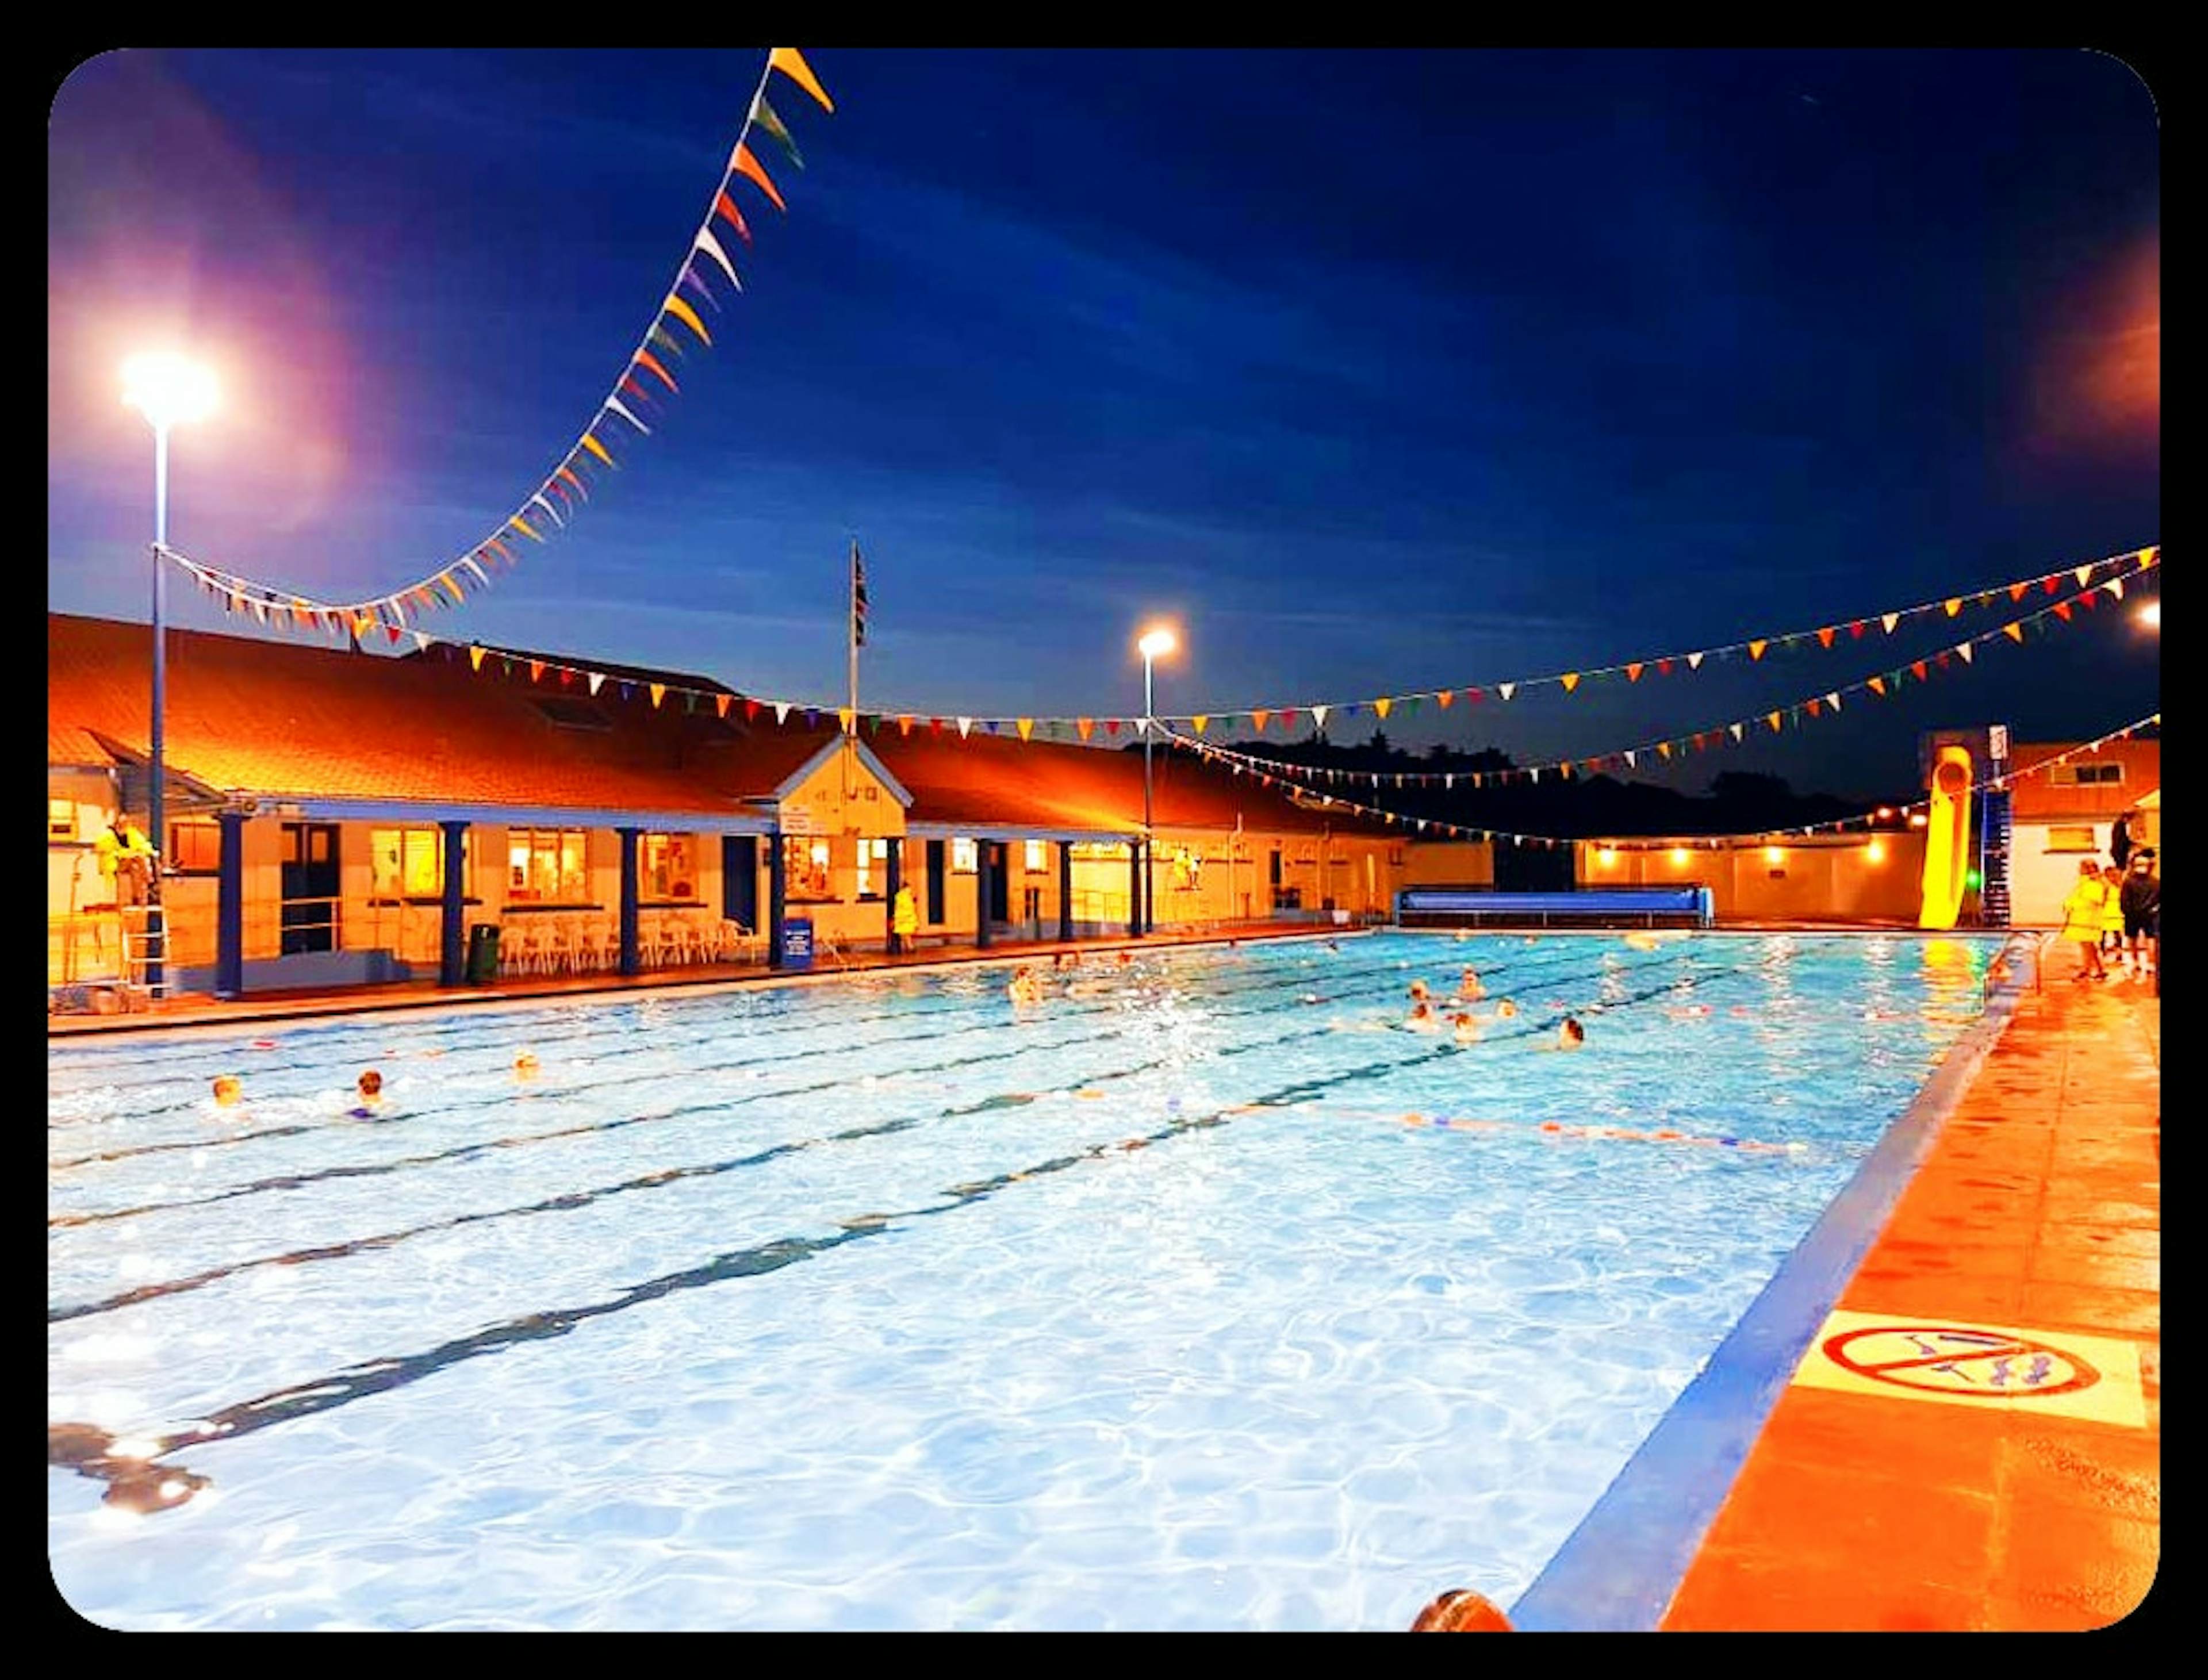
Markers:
(1619, 1569)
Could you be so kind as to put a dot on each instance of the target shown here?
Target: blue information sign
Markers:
(797, 942)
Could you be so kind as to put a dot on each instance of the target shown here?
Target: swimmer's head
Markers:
(1419, 1012)
(227, 1089)
(1571, 1032)
(371, 1083)
(1505, 1010)
(1417, 988)
(524, 1065)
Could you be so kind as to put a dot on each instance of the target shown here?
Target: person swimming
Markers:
(228, 1090)
(1422, 1018)
(1468, 986)
(1643, 941)
(525, 1066)
(1418, 992)
(1464, 1027)
(1570, 1036)
(370, 1086)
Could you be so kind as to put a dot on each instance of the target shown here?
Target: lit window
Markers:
(805, 872)
(1038, 856)
(871, 853)
(195, 848)
(2067, 839)
(61, 820)
(962, 857)
(669, 866)
(545, 866)
(409, 862)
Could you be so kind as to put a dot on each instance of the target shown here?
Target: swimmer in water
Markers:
(1571, 1034)
(1423, 1018)
(1468, 988)
(1642, 941)
(228, 1091)
(370, 1086)
(1418, 993)
(525, 1066)
(1465, 1029)
(1331, 945)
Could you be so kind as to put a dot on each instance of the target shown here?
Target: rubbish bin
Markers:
(482, 952)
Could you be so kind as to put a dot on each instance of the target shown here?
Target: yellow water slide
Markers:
(1947, 839)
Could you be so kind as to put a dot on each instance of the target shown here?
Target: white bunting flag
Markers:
(1889, 620)
(1694, 661)
(1963, 648)
(597, 681)
(1506, 689)
(1318, 715)
(782, 711)
(965, 724)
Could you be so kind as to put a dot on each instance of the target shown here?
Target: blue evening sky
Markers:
(1373, 370)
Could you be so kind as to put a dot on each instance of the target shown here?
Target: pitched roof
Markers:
(283, 719)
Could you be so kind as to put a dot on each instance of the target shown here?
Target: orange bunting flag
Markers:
(1633, 672)
(1663, 748)
(1258, 718)
(659, 692)
(2016, 590)
(475, 656)
(568, 474)
(596, 448)
(2014, 632)
(645, 358)
(721, 705)
(746, 164)
(1889, 620)
(1383, 705)
(451, 588)
(1570, 680)
(688, 317)
(1445, 698)
(2062, 609)
(1954, 604)
(791, 62)
(1026, 727)
(1772, 718)
(1755, 649)
(1824, 635)
(1816, 706)
(1878, 685)
(1087, 726)
(1917, 669)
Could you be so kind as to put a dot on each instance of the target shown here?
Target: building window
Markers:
(61, 820)
(873, 856)
(409, 862)
(2077, 839)
(670, 866)
(962, 857)
(805, 876)
(1099, 851)
(2086, 775)
(195, 847)
(1038, 857)
(545, 866)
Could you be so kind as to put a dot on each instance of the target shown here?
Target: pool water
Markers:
(881, 1303)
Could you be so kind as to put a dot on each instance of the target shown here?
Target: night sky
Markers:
(1375, 371)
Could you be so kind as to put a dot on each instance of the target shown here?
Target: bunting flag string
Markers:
(1889, 815)
(2113, 568)
(1773, 720)
(557, 497)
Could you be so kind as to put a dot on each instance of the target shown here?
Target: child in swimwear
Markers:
(1571, 1034)
(1423, 1018)
(524, 1065)
(371, 1096)
(228, 1092)
(1465, 1029)
(1468, 988)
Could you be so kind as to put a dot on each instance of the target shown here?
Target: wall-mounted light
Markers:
(1918, 820)
(1679, 857)
(1607, 856)
(1875, 852)
(1774, 853)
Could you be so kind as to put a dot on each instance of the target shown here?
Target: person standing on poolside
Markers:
(2140, 898)
(2112, 913)
(2081, 919)
(904, 917)
(2119, 840)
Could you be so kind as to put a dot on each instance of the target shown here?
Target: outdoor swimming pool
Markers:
(877, 1304)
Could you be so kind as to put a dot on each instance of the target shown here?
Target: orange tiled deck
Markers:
(2039, 1209)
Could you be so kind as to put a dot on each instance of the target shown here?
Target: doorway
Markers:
(935, 884)
(1000, 886)
(308, 916)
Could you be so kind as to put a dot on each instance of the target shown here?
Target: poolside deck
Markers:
(196, 1009)
(2039, 1211)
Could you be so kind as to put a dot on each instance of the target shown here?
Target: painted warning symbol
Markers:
(1948, 1361)
(1984, 1365)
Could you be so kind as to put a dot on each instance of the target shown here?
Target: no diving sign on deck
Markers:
(2054, 1373)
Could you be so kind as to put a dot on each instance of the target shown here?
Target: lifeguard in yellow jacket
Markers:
(904, 917)
(2083, 912)
(126, 857)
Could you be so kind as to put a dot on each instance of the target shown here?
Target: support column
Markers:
(451, 948)
(892, 881)
(777, 899)
(631, 962)
(230, 908)
(981, 894)
(1066, 890)
(1135, 863)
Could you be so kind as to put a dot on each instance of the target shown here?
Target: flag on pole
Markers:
(858, 598)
